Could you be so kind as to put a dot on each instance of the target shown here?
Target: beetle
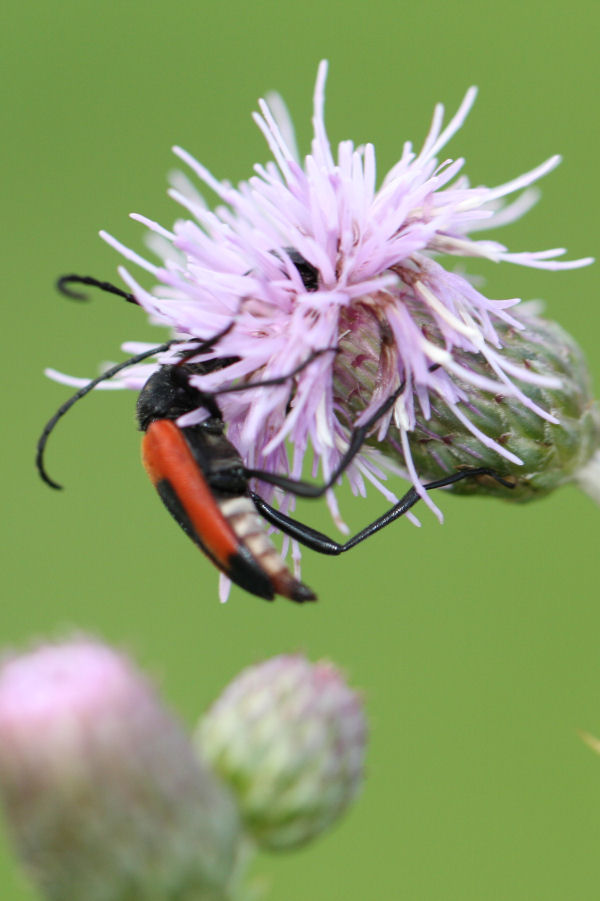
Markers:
(203, 483)
(202, 479)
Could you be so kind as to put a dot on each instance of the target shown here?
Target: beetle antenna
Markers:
(48, 428)
(204, 344)
(65, 280)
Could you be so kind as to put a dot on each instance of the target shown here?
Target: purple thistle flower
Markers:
(300, 253)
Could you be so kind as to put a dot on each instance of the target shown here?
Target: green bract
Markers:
(552, 454)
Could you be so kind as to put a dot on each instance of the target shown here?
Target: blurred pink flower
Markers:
(104, 794)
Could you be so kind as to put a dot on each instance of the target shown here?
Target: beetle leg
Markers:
(357, 439)
(318, 541)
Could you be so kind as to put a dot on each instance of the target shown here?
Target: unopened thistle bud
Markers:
(289, 737)
(103, 791)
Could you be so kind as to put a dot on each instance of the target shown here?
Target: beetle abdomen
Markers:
(241, 514)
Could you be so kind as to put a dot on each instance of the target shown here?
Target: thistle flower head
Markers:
(104, 794)
(540, 453)
(311, 254)
(289, 737)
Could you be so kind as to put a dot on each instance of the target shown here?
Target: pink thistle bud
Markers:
(289, 737)
(105, 797)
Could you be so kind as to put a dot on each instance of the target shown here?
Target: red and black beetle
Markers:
(202, 482)
(202, 479)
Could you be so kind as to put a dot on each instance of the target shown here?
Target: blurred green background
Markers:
(476, 644)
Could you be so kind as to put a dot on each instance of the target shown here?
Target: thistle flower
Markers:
(310, 254)
(289, 738)
(105, 796)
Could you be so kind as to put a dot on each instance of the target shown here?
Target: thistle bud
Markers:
(289, 737)
(501, 429)
(104, 794)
